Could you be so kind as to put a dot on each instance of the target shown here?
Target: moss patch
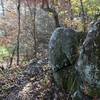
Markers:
(4, 52)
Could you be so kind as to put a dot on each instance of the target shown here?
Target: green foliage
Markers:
(3, 52)
(91, 7)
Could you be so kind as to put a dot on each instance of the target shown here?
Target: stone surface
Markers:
(68, 67)
(63, 53)
(88, 65)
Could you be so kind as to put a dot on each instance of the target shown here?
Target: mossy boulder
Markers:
(63, 53)
(88, 65)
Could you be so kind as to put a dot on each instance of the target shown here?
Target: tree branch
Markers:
(51, 10)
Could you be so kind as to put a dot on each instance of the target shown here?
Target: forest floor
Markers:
(33, 81)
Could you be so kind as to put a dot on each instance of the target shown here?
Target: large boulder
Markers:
(88, 65)
(63, 53)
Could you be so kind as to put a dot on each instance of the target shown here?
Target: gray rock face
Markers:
(66, 64)
(63, 47)
(63, 54)
(88, 65)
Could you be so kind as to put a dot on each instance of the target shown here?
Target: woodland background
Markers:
(25, 30)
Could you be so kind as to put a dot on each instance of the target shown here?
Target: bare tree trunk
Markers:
(18, 8)
(3, 13)
(2, 4)
(83, 15)
(52, 10)
(33, 33)
(70, 9)
(25, 13)
(34, 29)
(12, 56)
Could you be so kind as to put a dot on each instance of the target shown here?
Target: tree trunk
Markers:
(70, 10)
(18, 8)
(33, 33)
(34, 30)
(2, 4)
(83, 15)
(52, 10)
